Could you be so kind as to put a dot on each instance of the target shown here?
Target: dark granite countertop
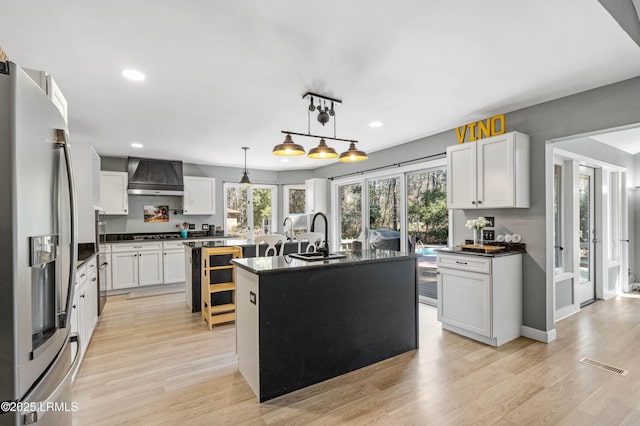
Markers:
(458, 250)
(218, 243)
(131, 238)
(274, 264)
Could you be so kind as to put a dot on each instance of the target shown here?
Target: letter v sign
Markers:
(461, 132)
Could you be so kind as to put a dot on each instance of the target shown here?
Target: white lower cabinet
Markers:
(174, 271)
(481, 297)
(85, 304)
(142, 264)
(136, 265)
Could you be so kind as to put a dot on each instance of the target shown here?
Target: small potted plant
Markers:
(477, 225)
(183, 229)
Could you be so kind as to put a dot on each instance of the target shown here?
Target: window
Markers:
(250, 211)
(294, 199)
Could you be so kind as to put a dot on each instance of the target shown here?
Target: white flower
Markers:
(479, 223)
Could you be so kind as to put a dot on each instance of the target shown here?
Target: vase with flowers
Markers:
(477, 225)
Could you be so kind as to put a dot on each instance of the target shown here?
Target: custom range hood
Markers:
(149, 176)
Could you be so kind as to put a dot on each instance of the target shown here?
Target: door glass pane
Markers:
(350, 212)
(236, 211)
(384, 213)
(428, 224)
(262, 211)
(584, 230)
(558, 250)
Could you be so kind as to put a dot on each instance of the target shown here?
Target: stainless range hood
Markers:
(155, 177)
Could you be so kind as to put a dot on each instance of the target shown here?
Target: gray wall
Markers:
(602, 108)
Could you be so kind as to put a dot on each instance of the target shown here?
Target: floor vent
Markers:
(604, 366)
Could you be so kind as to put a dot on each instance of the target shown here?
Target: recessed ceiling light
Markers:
(137, 145)
(133, 75)
(285, 160)
(375, 124)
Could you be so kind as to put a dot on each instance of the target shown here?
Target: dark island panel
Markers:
(315, 325)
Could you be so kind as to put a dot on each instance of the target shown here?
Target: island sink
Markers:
(316, 256)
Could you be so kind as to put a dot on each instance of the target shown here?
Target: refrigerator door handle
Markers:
(63, 142)
(31, 417)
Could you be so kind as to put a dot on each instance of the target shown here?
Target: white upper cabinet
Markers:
(315, 195)
(489, 173)
(199, 195)
(50, 87)
(114, 198)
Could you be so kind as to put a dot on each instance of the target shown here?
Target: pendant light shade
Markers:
(245, 179)
(288, 148)
(352, 155)
(245, 175)
(322, 151)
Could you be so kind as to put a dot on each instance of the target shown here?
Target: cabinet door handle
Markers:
(479, 202)
(82, 295)
(135, 255)
(125, 210)
(473, 202)
(461, 263)
(94, 279)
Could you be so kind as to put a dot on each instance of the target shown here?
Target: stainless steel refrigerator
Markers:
(38, 253)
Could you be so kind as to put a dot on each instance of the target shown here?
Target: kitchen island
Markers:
(193, 264)
(300, 323)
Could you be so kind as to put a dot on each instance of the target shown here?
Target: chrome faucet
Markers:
(286, 234)
(325, 249)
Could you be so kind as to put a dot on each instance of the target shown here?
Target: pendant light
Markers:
(322, 151)
(245, 176)
(326, 112)
(352, 155)
(288, 148)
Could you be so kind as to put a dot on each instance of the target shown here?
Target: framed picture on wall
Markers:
(156, 213)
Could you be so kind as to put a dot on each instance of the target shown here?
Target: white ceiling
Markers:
(627, 140)
(225, 74)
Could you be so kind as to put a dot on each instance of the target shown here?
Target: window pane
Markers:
(236, 211)
(350, 197)
(557, 214)
(585, 222)
(296, 201)
(262, 211)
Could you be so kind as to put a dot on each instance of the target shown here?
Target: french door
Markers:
(585, 291)
(371, 214)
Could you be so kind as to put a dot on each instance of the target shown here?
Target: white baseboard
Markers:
(539, 335)
(566, 311)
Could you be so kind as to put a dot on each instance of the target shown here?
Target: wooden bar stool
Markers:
(219, 277)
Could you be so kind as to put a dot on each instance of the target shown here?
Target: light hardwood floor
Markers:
(151, 361)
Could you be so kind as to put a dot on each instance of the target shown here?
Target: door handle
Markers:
(35, 416)
(62, 141)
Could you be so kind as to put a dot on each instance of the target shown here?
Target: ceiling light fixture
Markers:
(326, 108)
(133, 75)
(376, 124)
(245, 176)
(137, 145)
